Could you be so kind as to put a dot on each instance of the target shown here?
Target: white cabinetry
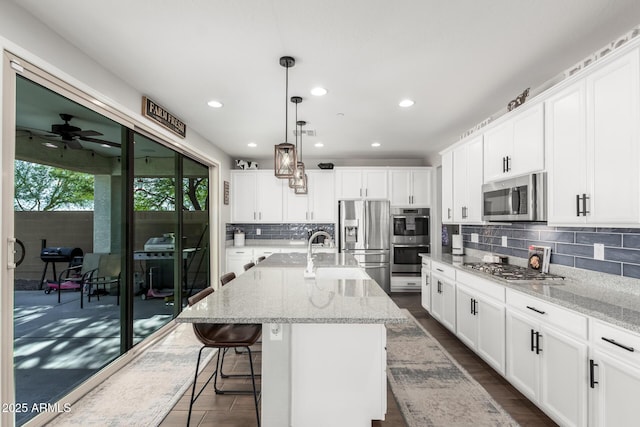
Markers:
(443, 294)
(480, 318)
(547, 357)
(593, 147)
(237, 258)
(406, 283)
(447, 187)
(318, 205)
(516, 146)
(361, 183)
(256, 196)
(467, 182)
(410, 187)
(614, 376)
(425, 286)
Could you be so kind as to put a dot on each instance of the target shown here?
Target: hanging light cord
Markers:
(286, 102)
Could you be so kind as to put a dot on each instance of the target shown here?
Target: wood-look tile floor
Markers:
(239, 411)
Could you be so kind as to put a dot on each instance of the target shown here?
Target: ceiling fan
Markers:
(72, 135)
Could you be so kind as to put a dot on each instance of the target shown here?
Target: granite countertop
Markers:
(606, 298)
(277, 243)
(276, 291)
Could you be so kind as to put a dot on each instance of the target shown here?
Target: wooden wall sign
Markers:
(160, 115)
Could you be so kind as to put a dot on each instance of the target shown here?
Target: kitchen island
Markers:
(323, 338)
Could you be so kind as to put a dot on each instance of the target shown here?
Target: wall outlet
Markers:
(598, 251)
(474, 237)
(258, 232)
(275, 332)
(504, 241)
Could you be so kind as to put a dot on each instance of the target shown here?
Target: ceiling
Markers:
(459, 60)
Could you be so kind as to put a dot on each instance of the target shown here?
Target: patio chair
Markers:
(107, 274)
(75, 276)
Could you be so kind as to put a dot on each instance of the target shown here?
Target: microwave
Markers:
(517, 199)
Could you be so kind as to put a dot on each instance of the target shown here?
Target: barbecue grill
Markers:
(59, 254)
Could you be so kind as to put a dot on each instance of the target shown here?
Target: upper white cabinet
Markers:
(516, 146)
(467, 182)
(256, 196)
(318, 205)
(410, 187)
(361, 183)
(593, 147)
(447, 187)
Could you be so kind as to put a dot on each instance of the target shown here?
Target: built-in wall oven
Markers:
(409, 237)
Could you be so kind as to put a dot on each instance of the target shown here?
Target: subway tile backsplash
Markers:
(572, 247)
(289, 231)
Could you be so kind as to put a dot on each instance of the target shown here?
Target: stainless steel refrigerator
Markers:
(363, 231)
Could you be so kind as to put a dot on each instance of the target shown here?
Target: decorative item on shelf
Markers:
(245, 164)
(519, 100)
(301, 179)
(226, 192)
(298, 173)
(325, 165)
(285, 153)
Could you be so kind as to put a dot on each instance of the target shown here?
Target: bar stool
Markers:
(226, 278)
(223, 336)
(248, 266)
(260, 259)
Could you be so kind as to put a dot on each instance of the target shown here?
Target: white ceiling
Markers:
(460, 60)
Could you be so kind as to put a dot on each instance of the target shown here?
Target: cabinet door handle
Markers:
(471, 301)
(584, 204)
(592, 380)
(508, 165)
(439, 287)
(504, 164)
(259, 215)
(475, 307)
(577, 205)
(538, 349)
(536, 310)
(448, 213)
(440, 270)
(614, 342)
(311, 214)
(533, 345)
(254, 216)
(366, 192)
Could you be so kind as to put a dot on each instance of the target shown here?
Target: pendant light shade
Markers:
(284, 157)
(300, 181)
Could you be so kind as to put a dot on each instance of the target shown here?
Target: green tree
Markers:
(158, 194)
(45, 188)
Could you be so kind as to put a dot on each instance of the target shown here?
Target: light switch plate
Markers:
(504, 241)
(258, 231)
(474, 237)
(598, 251)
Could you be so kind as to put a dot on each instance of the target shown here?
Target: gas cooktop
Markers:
(511, 272)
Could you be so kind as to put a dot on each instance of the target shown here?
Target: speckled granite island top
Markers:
(276, 291)
(609, 298)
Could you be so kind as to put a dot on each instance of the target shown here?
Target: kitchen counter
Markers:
(276, 291)
(611, 299)
(323, 340)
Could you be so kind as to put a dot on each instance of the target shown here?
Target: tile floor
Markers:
(238, 411)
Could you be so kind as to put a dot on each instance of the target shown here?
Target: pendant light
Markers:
(285, 153)
(301, 182)
(299, 170)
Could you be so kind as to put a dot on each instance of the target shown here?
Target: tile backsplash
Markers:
(570, 246)
(289, 231)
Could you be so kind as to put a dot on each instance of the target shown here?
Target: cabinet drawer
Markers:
(624, 344)
(426, 262)
(556, 316)
(240, 252)
(406, 283)
(483, 286)
(445, 270)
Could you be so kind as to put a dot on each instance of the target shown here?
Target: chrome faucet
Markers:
(309, 271)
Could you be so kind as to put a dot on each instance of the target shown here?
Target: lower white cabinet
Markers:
(406, 283)
(614, 377)
(443, 300)
(547, 365)
(237, 258)
(425, 285)
(481, 325)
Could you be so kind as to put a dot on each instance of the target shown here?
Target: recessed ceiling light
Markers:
(49, 145)
(375, 144)
(252, 144)
(319, 144)
(318, 91)
(406, 103)
(214, 104)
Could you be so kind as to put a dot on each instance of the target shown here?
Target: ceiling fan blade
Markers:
(100, 141)
(73, 144)
(36, 132)
(86, 133)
